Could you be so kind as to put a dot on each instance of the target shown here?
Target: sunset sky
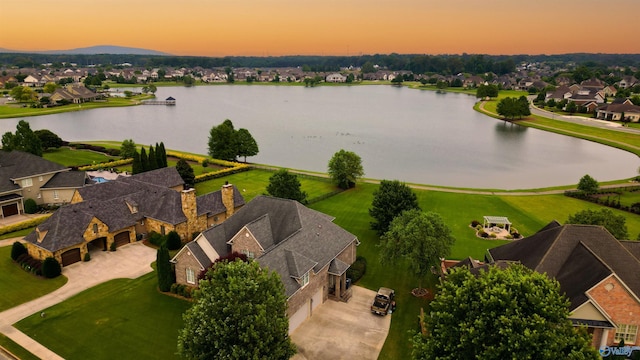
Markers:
(324, 27)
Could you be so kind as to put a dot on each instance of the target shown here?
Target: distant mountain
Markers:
(92, 50)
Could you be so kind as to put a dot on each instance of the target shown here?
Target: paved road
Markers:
(129, 261)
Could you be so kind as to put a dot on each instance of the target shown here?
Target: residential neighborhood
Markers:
(327, 255)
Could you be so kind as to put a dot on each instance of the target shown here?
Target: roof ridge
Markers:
(553, 243)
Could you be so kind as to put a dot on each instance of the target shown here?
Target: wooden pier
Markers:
(168, 101)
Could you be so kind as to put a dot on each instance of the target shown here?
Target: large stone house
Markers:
(309, 252)
(127, 209)
(27, 176)
(598, 274)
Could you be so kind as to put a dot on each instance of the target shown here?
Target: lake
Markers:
(406, 134)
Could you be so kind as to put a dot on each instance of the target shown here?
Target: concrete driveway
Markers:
(340, 330)
(129, 261)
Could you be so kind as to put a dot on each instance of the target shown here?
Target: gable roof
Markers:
(578, 256)
(18, 165)
(110, 203)
(67, 179)
(296, 239)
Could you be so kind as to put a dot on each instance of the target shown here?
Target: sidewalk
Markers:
(129, 261)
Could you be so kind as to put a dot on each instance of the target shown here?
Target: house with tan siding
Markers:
(309, 252)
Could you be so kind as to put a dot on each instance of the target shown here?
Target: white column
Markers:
(603, 339)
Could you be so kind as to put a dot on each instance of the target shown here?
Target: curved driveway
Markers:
(129, 261)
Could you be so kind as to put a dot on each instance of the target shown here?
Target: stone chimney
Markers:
(227, 198)
(189, 208)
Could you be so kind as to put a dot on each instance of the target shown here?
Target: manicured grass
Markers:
(18, 286)
(119, 319)
(68, 157)
(19, 233)
(16, 110)
(16, 349)
(254, 182)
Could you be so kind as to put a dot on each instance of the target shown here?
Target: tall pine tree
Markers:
(136, 166)
(153, 161)
(144, 160)
(165, 278)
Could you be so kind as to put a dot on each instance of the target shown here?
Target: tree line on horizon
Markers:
(417, 63)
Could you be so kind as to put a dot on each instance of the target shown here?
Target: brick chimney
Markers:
(227, 198)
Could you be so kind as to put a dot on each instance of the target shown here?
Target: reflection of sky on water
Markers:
(410, 135)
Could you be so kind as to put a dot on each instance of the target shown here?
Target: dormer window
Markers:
(304, 280)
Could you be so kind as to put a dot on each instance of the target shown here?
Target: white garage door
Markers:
(305, 311)
(301, 315)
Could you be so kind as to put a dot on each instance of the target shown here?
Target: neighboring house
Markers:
(27, 176)
(74, 94)
(125, 210)
(309, 252)
(336, 78)
(615, 111)
(598, 274)
(627, 82)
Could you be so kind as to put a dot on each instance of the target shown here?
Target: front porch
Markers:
(339, 285)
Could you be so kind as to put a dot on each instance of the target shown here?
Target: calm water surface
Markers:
(414, 136)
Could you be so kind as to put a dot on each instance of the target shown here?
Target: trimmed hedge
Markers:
(357, 270)
(30, 206)
(109, 164)
(23, 225)
(17, 249)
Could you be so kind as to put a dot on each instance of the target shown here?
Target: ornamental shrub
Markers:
(475, 223)
(30, 206)
(112, 247)
(17, 249)
(205, 163)
(357, 270)
(51, 268)
(87, 257)
(173, 241)
(156, 239)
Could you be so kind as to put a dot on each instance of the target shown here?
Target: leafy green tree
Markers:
(186, 173)
(144, 160)
(487, 91)
(223, 142)
(24, 139)
(615, 224)
(397, 80)
(128, 149)
(514, 313)
(163, 269)
(389, 201)
(368, 68)
(48, 139)
(345, 167)
(23, 94)
(247, 145)
(442, 84)
(240, 312)
(422, 238)
(588, 185)
(571, 107)
(49, 87)
(153, 160)
(173, 241)
(285, 185)
(511, 107)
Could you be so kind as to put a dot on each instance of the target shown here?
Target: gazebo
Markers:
(490, 221)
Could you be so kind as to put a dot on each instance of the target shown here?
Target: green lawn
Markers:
(17, 110)
(123, 318)
(16, 349)
(19, 233)
(253, 183)
(18, 286)
(68, 157)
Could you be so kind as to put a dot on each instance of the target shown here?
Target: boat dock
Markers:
(168, 101)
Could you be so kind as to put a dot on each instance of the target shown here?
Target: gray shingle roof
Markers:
(578, 256)
(295, 238)
(108, 202)
(18, 164)
(67, 179)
